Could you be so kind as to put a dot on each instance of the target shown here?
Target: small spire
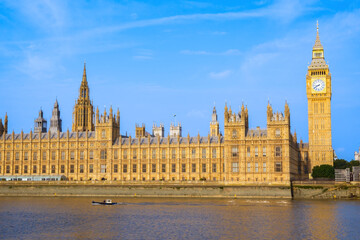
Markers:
(317, 41)
(84, 79)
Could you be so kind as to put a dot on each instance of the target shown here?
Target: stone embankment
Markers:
(298, 190)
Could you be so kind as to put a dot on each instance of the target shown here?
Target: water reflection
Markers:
(76, 218)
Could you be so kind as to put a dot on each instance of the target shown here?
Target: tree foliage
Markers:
(323, 171)
(341, 164)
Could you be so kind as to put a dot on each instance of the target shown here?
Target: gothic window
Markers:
(278, 151)
(8, 156)
(115, 168)
(81, 168)
(277, 132)
(62, 155)
(183, 155)
(163, 154)
(204, 153)
(134, 154)
(214, 167)
(52, 168)
(193, 167)
(53, 154)
(256, 167)
(248, 151)
(144, 153)
(25, 169)
(248, 167)
(72, 155)
(183, 167)
(214, 153)
(153, 154)
(125, 168)
(103, 134)
(103, 168)
(173, 154)
(34, 169)
(234, 133)
(163, 168)
(17, 156)
(264, 167)
(235, 167)
(204, 167)
(43, 169)
(134, 168)
(153, 168)
(256, 151)
(103, 154)
(173, 167)
(16, 168)
(193, 152)
(26, 156)
(44, 156)
(115, 154)
(278, 167)
(125, 154)
(144, 168)
(234, 151)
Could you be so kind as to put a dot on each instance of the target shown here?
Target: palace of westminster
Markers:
(95, 149)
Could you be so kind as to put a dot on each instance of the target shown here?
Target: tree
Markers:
(323, 171)
(341, 164)
(354, 163)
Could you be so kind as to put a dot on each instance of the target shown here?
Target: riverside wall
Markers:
(297, 190)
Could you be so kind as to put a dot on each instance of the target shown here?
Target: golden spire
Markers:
(317, 41)
(84, 79)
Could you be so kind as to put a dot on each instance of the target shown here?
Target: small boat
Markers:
(105, 202)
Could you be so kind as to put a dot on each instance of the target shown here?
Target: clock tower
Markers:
(318, 90)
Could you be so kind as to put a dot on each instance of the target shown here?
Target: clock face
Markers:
(318, 85)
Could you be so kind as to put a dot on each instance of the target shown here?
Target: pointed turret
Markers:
(55, 121)
(317, 44)
(214, 124)
(83, 115)
(318, 59)
(40, 124)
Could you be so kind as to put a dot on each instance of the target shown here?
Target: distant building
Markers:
(357, 155)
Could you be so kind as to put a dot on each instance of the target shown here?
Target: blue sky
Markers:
(154, 59)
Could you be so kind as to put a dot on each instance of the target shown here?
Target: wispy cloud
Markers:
(283, 10)
(220, 75)
(143, 54)
(225, 53)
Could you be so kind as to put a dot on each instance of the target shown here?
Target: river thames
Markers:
(150, 218)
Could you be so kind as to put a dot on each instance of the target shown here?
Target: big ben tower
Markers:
(83, 115)
(318, 89)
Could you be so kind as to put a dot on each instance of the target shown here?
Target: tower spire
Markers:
(84, 79)
(317, 44)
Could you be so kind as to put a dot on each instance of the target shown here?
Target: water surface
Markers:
(150, 218)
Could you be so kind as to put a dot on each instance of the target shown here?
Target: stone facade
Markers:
(96, 150)
(357, 155)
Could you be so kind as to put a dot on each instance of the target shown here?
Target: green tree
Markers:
(341, 164)
(323, 171)
(354, 163)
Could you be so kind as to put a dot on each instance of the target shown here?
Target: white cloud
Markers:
(220, 75)
(225, 53)
(142, 57)
(282, 10)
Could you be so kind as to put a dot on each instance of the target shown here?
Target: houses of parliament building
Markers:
(95, 149)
